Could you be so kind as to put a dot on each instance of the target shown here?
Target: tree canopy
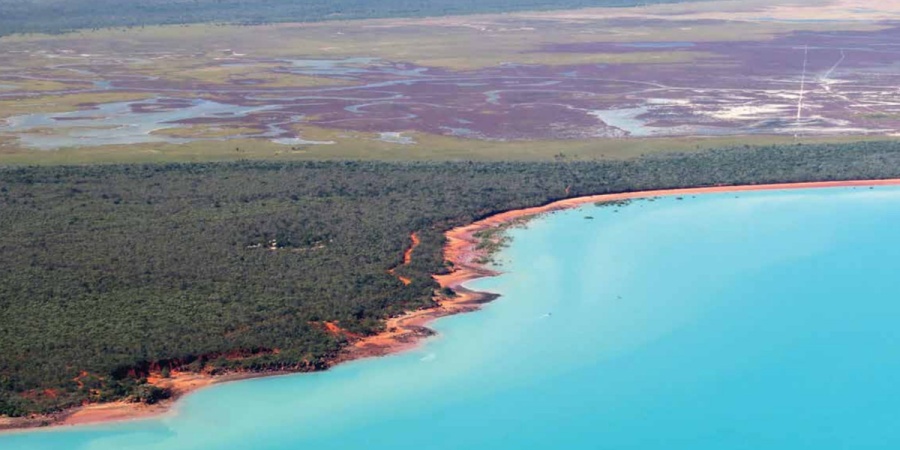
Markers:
(110, 271)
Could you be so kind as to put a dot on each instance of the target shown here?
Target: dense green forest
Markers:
(109, 270)
(54, 16)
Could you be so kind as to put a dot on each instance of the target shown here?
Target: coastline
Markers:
(402, 332)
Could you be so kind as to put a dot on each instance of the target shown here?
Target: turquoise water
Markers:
(733, 321)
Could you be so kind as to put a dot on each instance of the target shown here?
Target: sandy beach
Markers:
(402, 332)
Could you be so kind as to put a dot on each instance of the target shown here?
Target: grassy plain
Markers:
(64, 102)
(461, 43)
(358, 146)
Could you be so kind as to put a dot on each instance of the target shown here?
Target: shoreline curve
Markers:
(402, 332)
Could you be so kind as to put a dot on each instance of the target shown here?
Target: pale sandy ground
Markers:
(732, 10)
(728, 10)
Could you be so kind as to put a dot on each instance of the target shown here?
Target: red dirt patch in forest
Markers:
(407, 258)
(335, 329)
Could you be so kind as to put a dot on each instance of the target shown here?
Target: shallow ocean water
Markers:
(725, 321)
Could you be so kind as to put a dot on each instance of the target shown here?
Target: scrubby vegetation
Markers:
(111, 272)
(54, 16)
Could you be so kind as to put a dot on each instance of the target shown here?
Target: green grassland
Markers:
(54, 16)
(459, 43)
(365, 147)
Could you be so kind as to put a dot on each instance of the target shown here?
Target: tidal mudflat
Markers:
(488, 78)
(738, 320)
